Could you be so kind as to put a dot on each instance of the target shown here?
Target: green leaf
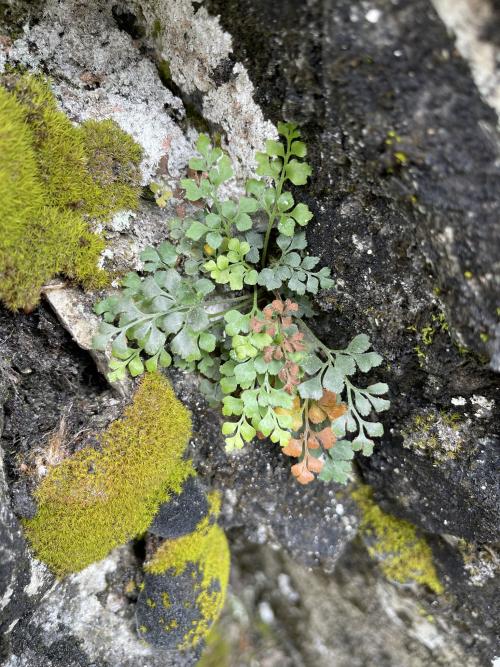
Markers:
(247, 431)
(269, 280)
(155, 341)
(228, 209)
(197, 319)
(297, 172)
(263, 165)
(380, 404)
(196, 230)
(311, 364)
(136, 367)
(204, 286)
(193, 192)
(207, 342)
(341, 451)
(363, 405)
(120, 347)
(214, 239)
(243, 222)
(286, 226)
(288, 130)
(197, 164)
(367, 361)
(251, 277)
(375, 429)
(363, 444)
(228, 385)
(232, 406)
(184, 344)
(151, 364)
(164, 359)
(248, 205)
(236, 322)
(345, 364)
(245, 373)
(266, 425)
(333, 380)
(299, 149)
(234, 442)
(301, 214)
(203, 144)
(172, 323)
(225, 170)
(228, 427)
(336, 471)
(285, 201)
(309, 262)
(311, 388)
(361, 343)
(275, 148)
(378, 388)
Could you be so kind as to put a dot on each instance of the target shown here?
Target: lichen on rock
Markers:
(55, 177)
(394, 543)
(96, 500)
(185, 586)
(438, 435)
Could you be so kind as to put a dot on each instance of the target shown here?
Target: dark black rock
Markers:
(166, 611)
(180, 515)
(459, 497)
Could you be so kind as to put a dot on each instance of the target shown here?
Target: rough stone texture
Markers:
(404, 192)
(182, 513)
(164, 623)
(476, 25)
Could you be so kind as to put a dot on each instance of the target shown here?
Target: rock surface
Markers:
(405, 196)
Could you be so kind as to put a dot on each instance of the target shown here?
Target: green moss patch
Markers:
(54, 178)
(394, 543)
(96, 500)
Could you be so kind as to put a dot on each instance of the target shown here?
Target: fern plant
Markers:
(228, 299)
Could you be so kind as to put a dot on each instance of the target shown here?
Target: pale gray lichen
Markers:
(437, 435)
(481, 561)
(194, 44)
(81, 42)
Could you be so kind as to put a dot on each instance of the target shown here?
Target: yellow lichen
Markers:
(207, 550)
(393, 542)
(96, 500)
(54, 176)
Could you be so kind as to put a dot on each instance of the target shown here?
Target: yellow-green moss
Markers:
(97, 500)
(54, 176)
(403, 556)
(207, 549)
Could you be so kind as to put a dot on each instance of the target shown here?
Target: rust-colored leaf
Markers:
(314, 465)
(312, 442)
(316, 414)
(327, 437)
(302, 475)
(294, 448)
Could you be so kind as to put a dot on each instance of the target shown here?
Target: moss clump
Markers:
(403, 556)
(54, 177)
(205, 551)
(97, 500)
